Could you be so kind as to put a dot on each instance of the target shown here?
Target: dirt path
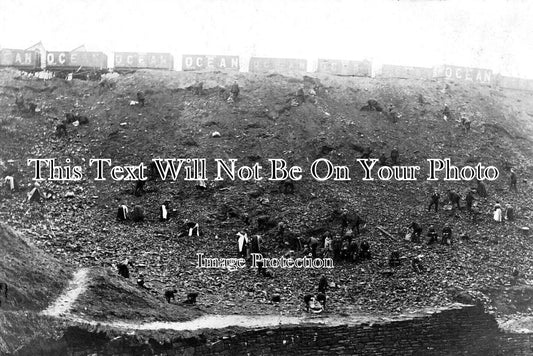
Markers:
(520, 324)
(63, 304)
(224, 321)
(258, 321)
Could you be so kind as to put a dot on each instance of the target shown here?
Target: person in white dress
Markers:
(497, 212)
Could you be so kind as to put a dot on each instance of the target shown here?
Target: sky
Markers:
(496, 34)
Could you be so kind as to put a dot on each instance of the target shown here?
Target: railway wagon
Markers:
(406, 72)
(137, 60)
(76, 60)
(463, 74)
(513, 83)
(204, 62)
(259, 64)
(19, 58)
(345, 67)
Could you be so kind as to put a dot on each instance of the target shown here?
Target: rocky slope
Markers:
(78, 225)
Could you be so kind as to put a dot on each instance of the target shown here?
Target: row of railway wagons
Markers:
(83, 60)
(86, 62)
(97, 61)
